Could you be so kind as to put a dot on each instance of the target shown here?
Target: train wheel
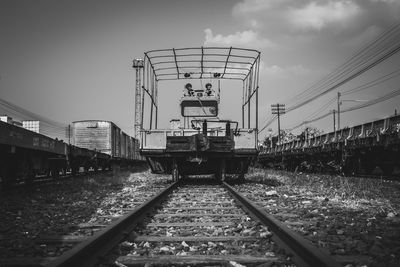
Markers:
(74, 170)
(9, 177)
(30, 177)
(55, 173)
(387, 168)
(369, 168)
(220, 174)
(242, 172)
(175, 171)
(175, 175)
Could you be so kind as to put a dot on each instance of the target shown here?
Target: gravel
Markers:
(70, 207)
(354, 219)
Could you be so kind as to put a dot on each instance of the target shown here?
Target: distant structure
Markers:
(5, 118)
(9, 120)
(33, 126)
(139, 95)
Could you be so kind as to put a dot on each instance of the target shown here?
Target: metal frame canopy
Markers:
(227, 63)
(202, 63)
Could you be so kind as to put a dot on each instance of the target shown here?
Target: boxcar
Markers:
(103, 136)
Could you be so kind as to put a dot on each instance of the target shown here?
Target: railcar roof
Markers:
(201, 63)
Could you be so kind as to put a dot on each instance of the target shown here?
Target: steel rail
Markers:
(305, 254)
(91, 251)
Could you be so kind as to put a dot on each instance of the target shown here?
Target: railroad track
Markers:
(378, 176)
(47, 179)
(207, 224)
(43, 179)
(24, 244)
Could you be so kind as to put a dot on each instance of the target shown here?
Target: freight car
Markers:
(203, 143)
(361, 149)
(107, 138)
(25, 155)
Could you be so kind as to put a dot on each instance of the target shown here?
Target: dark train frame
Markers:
(361, 149)
(26, 155)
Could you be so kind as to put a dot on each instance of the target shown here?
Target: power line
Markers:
(50, 127)
(364, 105)
(383, 47)
(356, 60)
(370, 84)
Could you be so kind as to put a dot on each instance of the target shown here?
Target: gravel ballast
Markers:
(74, 207)
(354, 219)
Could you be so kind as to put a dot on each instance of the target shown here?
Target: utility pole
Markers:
(278, 109)
(138, 64)
(338, 111)
(339, 103)
(334, 123)
(69, 134)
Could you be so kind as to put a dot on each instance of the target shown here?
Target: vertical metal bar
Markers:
(248, 114)
(257, 108)
(219, 90)
(249, 98)
(257, 80)
(244, 88)
(201, 62)
(144, 71)
(205, 127)
(176, 63)
(338, 111)
(226, 62)
(156, 100)
(152, 96)
(279, 125)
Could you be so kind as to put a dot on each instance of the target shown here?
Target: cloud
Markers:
(309, 17)
(316, 16)
(387, 1)
(254, 6)
(288, 71)
(245, 39)
(257, 14)
(363, 38)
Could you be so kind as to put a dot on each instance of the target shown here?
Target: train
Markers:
(105, 137)
(97, 145)
(200, 142)
(362, 149)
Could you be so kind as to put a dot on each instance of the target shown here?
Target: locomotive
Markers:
(25, 155)
(200, 142)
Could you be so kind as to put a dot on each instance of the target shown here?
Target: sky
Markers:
(72, 60)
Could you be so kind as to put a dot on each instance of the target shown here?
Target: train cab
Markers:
(199, 102)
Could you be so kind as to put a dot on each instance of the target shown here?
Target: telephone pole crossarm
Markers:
(278, 109)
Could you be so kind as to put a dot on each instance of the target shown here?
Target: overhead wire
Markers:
(310, 118)
(50, 127)
(370, 84)
(364, 105)
(351, 91)
(376, 51)
(353, 61)
(365, 86)
(373, 102)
